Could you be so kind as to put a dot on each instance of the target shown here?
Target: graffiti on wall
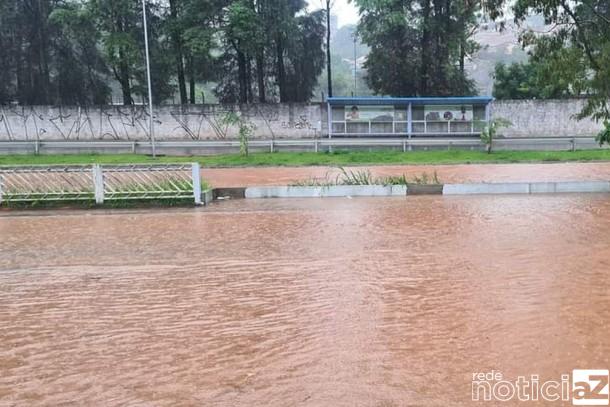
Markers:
(301, 123)
(199, 122)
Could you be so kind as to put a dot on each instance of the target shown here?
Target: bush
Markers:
(604, 135)
(489, 132)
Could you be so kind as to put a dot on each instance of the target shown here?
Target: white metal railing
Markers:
(313, 144)
(400, 127)
(100, 183)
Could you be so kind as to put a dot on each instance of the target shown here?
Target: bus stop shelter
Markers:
(407, 117)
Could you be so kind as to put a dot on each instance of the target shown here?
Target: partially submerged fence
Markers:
(100, 183)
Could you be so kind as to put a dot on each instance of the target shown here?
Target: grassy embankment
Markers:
(330, 159)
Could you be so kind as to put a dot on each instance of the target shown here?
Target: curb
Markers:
(527, 188)
(502, 188)
(326, 191)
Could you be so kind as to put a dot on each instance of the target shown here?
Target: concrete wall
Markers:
(530, 118)
(198, 122)
(544, 118)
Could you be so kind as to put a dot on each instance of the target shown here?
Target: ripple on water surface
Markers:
(301, 302)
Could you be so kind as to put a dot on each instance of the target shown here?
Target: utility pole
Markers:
(150, 101)
(355, 63)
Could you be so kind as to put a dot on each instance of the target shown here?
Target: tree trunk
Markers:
(124, 80)
(445, 34)
(328, 60)
(177, 43)
(45, 78)
(462, 59)
(192, 84)
(241, 73)
(281, 70)
(21, 78)
(123, 75)
(425, 46)
(261, 9)
(260, 75)
(249, 79)
(439, 60)
(37, 51)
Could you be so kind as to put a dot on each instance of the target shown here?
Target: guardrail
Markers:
(320, 144)
(100, 183)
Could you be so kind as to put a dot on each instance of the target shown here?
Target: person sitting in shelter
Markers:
(354, 114)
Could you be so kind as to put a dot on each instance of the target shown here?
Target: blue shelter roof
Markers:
(372, 100)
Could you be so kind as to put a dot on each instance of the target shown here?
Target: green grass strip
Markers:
(337, 158)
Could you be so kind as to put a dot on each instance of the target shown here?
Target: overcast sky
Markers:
(346, 11)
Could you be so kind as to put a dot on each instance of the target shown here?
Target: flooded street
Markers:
(449, 173)
(305, 302)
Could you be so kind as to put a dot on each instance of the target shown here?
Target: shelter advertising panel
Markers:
(369, 113)
(448, 112)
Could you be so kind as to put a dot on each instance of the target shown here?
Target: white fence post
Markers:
(98, 183)
(0, 189)
(196, 183)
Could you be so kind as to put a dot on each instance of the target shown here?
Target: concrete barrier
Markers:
(424, 189)
(527, 188)
(583, 186)
(543, 187)
(496, 188)
(207, 196)
(403, 190)
(325, 191)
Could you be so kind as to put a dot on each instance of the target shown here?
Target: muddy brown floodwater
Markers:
(450, 173)
(319, 302)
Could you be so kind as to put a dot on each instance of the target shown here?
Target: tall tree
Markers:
(304, 56)
(50, 54)
(281, 39)
(244, 35)
(27, 34)
(418, 47)
(81, 72)
(9, 51)
(536, 79)
(117, 20)
(120, 25)
(76, 51)
(201, 24)
(576, 52)
(175, 27)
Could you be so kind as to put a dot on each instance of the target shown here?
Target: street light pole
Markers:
(150, 101)
(355, 63)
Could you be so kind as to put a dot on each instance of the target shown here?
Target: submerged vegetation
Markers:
(365, 177)
(423, 179)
